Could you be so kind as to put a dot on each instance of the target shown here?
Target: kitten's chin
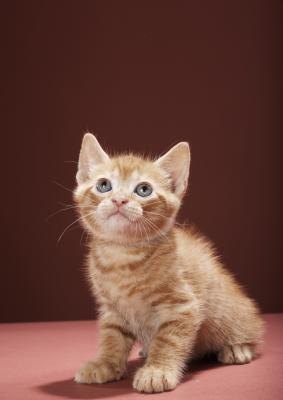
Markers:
(118, 222)
(119, 228)
(117, 217)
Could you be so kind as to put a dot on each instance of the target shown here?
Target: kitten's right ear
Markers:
(176, 162)
(91, 154)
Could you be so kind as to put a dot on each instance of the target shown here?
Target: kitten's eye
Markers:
(143, 189)
(103, 185)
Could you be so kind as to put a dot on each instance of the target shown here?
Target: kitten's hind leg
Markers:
(236, 354)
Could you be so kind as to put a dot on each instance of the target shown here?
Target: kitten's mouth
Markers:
(118, 214)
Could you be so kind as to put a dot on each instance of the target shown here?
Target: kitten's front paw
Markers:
(98, 372)
(154, 379)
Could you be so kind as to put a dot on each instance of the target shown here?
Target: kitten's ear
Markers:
(176, 162)
(91, 154)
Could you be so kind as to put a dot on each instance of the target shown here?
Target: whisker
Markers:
(139, 225)
(67, 205)
(67, 209)
(59, 211)
(136, 224)
(77, 205)
(69, 190)
(151, 227)
(152, 203)
(82, 236)
(62, 186)
(78, 219)
(146, 233)
(163, 216)
(71, 161)
(56, 212)
(154, 227)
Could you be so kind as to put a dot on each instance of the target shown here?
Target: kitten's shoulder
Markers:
(191, 240)
(192, 233)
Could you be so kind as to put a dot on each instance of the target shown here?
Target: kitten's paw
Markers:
(154, 379)
(237, 354)
(98, 372)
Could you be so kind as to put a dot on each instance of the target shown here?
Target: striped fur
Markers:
(156, 283)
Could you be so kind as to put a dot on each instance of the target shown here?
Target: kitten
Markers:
(155, 283)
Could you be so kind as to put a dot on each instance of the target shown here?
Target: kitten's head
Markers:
(129, 198)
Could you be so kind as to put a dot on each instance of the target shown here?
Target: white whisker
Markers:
(69, 208)
(154, 227)
(78, 219)
(62, 186)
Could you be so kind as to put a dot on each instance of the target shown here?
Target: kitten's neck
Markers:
(142, 244)
(114, 254)
(131, 245)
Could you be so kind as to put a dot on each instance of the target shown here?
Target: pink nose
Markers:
(120, 202)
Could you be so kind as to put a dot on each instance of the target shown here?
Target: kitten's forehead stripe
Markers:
(133, 167)
(130, 166)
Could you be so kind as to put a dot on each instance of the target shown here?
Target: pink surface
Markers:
(38, 361)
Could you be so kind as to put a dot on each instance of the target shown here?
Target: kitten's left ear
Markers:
(91, 154)
(176, 162)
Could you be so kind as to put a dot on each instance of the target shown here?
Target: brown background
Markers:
(143, 75)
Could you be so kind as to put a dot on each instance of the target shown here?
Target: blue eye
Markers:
(143, 189)
(103, 185)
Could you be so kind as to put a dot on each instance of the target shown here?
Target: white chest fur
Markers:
(117, 255)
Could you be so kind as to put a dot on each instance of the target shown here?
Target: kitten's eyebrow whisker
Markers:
(69, 190)
(62, 186)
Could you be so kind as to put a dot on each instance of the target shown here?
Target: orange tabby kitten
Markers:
(155, 283)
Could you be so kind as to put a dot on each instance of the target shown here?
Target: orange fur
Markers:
(155, 283)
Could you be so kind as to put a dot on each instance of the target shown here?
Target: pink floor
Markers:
(38, 361)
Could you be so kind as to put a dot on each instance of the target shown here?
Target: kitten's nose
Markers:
(120, 201)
